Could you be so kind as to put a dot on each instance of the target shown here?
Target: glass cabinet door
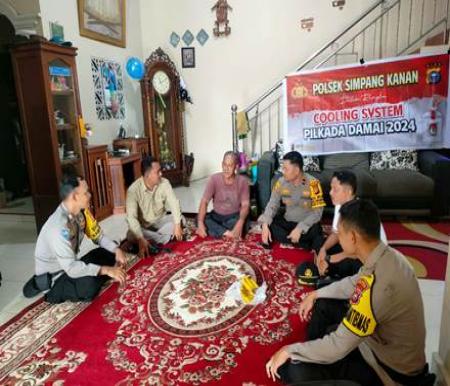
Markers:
(164, 130)
(65, 114)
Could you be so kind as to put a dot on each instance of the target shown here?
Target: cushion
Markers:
(346, 161)
(311, 163)
(366, 185)
(394, 160)
(403, 183)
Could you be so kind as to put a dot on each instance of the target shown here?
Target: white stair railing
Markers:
(387, 29)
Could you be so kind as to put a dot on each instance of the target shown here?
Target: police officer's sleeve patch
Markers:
(277, 187)
(65, 233)
(92, 230)
(360, 319)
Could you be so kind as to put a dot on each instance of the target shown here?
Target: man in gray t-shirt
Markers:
(231, 201)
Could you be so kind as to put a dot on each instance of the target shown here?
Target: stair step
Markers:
(440, 49)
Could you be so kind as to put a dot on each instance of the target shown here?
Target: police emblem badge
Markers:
(316, 194)
(65, 233)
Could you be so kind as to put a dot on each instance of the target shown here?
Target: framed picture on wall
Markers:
(188, 57)
(108, 86)
(103, 20)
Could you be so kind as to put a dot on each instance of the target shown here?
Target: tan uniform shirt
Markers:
(145, 207)
(391, 323)
(301, 206)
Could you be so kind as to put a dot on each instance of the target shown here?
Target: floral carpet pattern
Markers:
(172, 323)
(188, 331)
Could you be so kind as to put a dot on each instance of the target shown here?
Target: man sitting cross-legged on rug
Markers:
(148, 200)
(231, 199)
(302, 196)
(331, 260)
(58, 270)
(368, 328)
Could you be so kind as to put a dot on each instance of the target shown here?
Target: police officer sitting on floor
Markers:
(58, 270)
(303, 198)
(380, 334)
(331, 260)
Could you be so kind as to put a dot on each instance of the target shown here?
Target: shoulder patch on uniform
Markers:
(316, 194)
(65, 233)
(277, 186)
(360, 319)
(92, 229)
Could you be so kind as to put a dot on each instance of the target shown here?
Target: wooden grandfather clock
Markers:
(163, 117)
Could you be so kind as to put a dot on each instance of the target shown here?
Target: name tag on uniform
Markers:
(360, 319)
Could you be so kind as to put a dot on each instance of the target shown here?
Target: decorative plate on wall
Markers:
(202, 36)
(307, 23)
(174, 39)
(108, 87)
(188, 38)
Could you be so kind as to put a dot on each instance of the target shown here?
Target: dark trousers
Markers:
(344, 268)
(280, 229)
(217, 224)
(326, 316)
(83, 288)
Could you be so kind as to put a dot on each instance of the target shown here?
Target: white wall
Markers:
(65, 13)
(266, 42)
(25, 6)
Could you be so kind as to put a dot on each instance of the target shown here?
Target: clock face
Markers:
(161, 82)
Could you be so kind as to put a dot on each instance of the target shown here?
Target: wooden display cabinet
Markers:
(124, 171)
(134, 145)
(99, 180)
(47, 88)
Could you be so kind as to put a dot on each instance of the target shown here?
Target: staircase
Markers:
(388, 28)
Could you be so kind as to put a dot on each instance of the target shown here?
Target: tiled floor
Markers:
(19, 206)
(18, 236)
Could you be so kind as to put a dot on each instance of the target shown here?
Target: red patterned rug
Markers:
(170, 325)
(424, 244)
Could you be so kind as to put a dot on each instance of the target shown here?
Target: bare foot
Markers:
(228, 235)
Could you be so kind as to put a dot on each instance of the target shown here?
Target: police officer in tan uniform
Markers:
(375, 338)
(303, 198)
(59, 271)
